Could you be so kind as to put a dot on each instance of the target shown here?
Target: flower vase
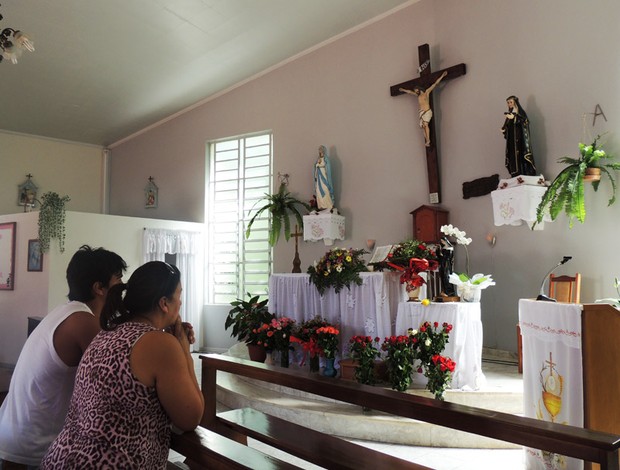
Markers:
(270, 360)
(284, 361)
(257, 352)
(329, 370)
(314, 363)
(413, 293)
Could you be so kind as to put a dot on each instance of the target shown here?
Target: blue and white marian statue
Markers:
(323, 181)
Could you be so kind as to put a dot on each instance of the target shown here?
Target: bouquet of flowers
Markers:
(305, 334)
(338, 268)
(327, 341)
(363, 350)
(412, 248)
(429, 342)
(439, 375)
(411, 276)
(399, 360)
(277, 333)
(468, 288)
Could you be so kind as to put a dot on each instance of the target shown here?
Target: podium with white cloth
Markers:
(465, 340)
(570, 371)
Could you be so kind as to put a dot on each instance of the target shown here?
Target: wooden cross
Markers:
(296, 260)
(426, 82)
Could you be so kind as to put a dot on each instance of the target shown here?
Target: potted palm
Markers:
(280, 206)
(566, 192)
(246, 318)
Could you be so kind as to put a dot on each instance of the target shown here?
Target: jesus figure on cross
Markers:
(425, 113)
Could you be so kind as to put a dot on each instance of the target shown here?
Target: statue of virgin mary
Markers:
(323, 181)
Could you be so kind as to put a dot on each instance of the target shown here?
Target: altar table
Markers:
(369, 309)
(465, 340)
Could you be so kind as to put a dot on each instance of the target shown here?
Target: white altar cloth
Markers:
(369, 309)
(552, 334)
(465, 340)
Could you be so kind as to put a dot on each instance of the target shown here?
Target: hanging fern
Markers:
(52, 220)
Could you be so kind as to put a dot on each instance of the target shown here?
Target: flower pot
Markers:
(592, 174)
(257, 352)
(469, 295)
(329, 370)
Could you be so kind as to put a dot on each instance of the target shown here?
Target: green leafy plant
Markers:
(363, 350)
(566, 192)
(52, 220)
(399, 360)
(246, 316)
(280, 207)
(338, 268)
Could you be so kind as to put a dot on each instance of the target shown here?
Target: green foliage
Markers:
(245, 316)
(566, 192)
(52, 220)
(280, 206)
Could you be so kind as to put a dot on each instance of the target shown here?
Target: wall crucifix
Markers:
(422, 88)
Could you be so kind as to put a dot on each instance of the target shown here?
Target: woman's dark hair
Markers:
(90, 265)
(146, 286)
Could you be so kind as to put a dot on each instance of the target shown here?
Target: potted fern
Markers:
(280, 206)
(566, 192)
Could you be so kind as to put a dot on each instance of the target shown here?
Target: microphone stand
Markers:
(541, 295)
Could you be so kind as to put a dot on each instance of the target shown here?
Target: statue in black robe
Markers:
(516, 130)
(446, 266)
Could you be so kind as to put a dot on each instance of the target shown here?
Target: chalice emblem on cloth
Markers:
(552, 386)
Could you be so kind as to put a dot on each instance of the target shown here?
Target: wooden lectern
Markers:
(600, 325)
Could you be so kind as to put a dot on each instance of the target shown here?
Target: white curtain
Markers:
(188, 248)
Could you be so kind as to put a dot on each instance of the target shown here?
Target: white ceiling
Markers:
(105, 69)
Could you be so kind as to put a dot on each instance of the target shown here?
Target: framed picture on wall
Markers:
(7, 255)
(151, 194)
(35, 257)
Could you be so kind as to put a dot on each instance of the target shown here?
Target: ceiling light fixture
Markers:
(12, 44)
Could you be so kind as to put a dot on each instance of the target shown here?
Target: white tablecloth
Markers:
(369, 309)
(551, 336)
(465, 341)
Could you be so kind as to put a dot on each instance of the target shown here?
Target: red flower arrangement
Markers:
(275, 335)
(305, 334)
(327, 340)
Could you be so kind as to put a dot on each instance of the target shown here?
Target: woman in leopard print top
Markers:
(134, 380)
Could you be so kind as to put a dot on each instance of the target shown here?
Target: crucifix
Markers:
(422, 88)
(296, 260)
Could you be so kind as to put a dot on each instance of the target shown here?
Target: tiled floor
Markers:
(501, 376)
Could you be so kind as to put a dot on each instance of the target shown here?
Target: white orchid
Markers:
(459, 235)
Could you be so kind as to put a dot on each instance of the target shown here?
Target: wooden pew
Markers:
(206, 449)
(313, 446)
(588, 445)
